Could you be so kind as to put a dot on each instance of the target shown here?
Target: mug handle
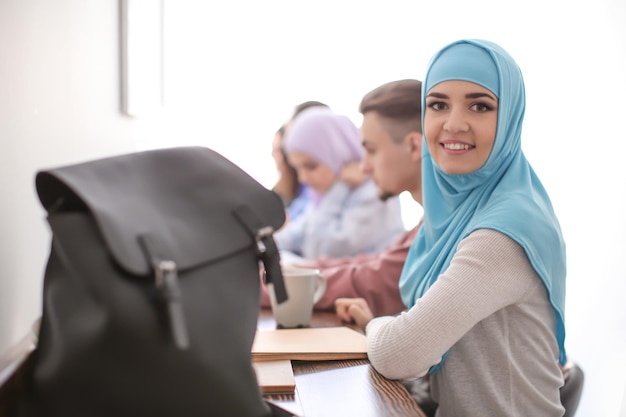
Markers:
(321, 287)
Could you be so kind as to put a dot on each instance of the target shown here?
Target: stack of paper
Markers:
(309, 344)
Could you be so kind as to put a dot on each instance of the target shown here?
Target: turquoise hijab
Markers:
(505, 194)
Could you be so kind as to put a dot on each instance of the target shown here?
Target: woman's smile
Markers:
(456, 147)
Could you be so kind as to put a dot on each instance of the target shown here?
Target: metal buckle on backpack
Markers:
(166, 280)
(261, 234)
(161, 270)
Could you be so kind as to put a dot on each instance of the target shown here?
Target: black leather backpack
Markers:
(151, 291)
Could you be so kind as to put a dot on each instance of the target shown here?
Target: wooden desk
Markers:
(323, 388)
(341, 388)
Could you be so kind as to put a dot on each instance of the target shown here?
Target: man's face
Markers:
(395, 167)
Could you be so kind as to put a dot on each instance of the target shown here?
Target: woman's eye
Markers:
(437, 105)
(481, 107)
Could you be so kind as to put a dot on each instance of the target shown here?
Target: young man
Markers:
(392, 138)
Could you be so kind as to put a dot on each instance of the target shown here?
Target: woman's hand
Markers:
(352, 174)
(354, 310)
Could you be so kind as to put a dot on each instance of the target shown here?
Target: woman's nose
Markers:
(456, 121)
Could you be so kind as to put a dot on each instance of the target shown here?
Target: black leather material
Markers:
(184, 195)
(572, 389)
(106, 345)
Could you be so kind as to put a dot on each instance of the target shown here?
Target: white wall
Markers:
(233, 72)
(59, 103)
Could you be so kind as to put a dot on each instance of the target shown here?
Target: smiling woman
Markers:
(485, 293)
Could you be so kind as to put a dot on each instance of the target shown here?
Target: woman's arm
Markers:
(489, 271)
(291, 236)
(348, 222)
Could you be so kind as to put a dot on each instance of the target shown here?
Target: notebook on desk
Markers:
(310, 344)
(275, 377)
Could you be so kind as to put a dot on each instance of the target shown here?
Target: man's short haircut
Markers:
(400, 105)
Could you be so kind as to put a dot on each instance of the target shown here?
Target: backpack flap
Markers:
(185, 198)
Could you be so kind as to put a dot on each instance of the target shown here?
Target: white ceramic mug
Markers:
(305, 287)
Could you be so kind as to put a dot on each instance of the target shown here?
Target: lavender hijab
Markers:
(329, 138)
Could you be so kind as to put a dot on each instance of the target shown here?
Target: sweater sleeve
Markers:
(480, 280)
(291, 236)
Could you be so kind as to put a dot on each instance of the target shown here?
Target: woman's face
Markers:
(311, 172)
(460, 125)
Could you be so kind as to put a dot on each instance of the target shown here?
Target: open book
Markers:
(309, 344)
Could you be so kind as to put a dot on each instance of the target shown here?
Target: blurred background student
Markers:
(294, 194)
(391, 135)
(340, 219)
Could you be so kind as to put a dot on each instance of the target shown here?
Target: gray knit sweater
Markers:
(491, 312)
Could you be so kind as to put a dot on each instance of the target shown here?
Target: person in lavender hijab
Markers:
(342, 218)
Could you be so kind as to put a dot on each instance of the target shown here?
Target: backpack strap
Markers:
(266, 249)
(168, 287)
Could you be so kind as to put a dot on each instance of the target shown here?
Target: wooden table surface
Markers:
(323, 388)
(341, 388)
